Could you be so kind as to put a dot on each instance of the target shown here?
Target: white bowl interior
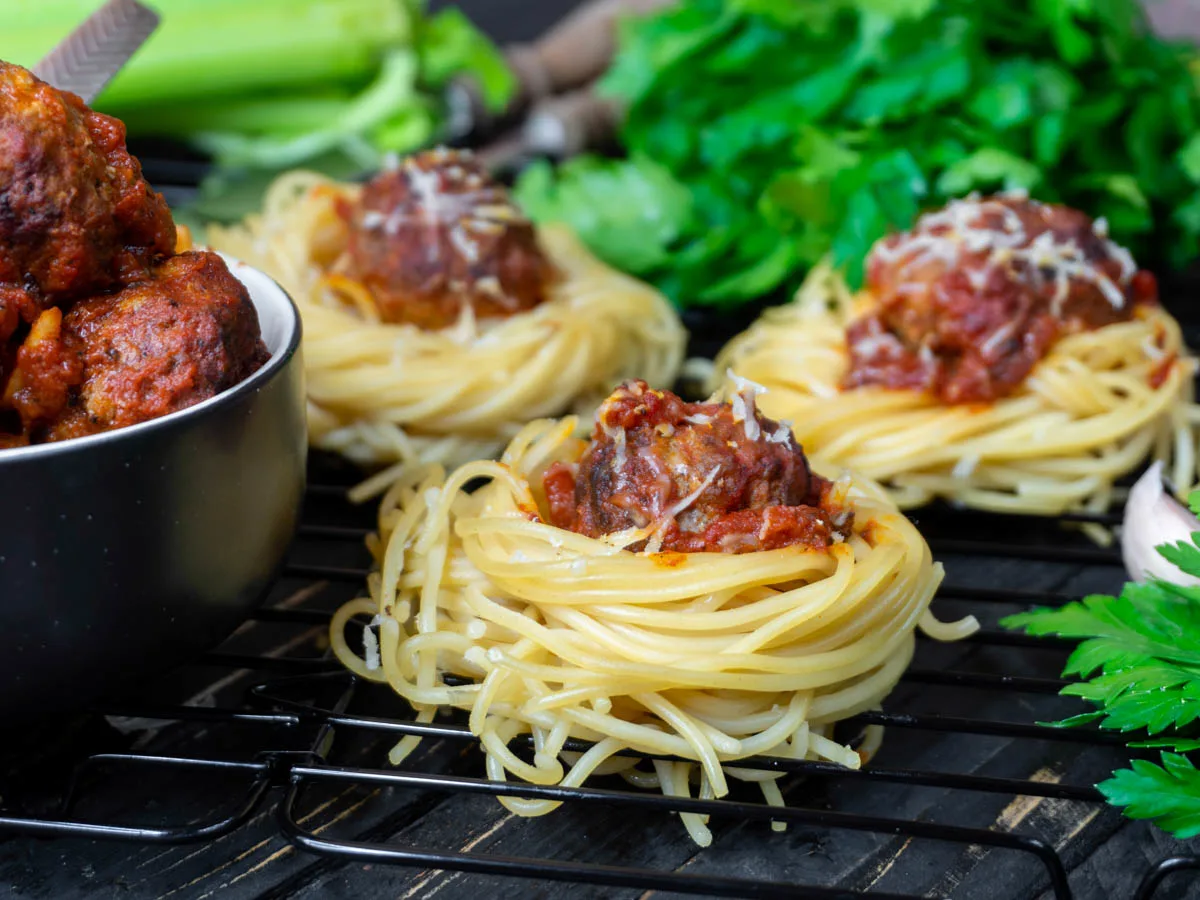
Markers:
(276, 315)
(279, 323)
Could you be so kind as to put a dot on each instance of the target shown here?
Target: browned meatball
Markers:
(186, 333)
(714, 477)
(437, 233)
(76, 216)
(976, 294)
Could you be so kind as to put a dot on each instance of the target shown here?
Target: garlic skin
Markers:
(1153, 517)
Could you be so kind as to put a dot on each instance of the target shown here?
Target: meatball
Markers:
(182, 335)
(714, 477)
(76, 215)
(977, 293)
(438, 233)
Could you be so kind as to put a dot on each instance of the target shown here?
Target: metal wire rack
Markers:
(968, 795)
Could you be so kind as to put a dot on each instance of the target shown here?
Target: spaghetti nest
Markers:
(1094, 408)
(705, 658)
(381, 392)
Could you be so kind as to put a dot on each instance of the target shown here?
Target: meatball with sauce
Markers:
(976, 294)
(76, 215)
(714, 477)
(183, 334)
(437, 233)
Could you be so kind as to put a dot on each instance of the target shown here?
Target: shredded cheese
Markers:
(680, 505)
(655, 541)
(616, 434)
(743, 403)
(970, 226)
(998, 338)
(782, 434)
(464, 243)
(371, 644)
(1152, 350)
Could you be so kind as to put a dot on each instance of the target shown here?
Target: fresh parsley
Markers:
(1139, 657)
(763, 135)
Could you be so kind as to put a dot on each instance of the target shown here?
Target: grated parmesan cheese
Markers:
(680, 505)
(1151, 349)
(873, 343)
(616, 434)
(960, 226)
(782, 434)
(743, 403)
(464, 243)
(999, 337)
(371, 644)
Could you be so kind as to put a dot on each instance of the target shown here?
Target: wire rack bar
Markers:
(298, 733)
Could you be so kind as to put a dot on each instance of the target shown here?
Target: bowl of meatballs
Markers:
(152, 421)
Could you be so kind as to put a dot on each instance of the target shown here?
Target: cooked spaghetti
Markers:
(436, 321)
(994, 361)
(793, 607)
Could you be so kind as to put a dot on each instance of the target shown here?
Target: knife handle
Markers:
(570, 124)
(576, 51)
(573, 53)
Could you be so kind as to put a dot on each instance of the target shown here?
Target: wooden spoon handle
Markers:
(570, 124)
(577, 50)
(572, 54)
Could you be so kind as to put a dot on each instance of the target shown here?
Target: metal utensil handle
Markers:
(90, 56)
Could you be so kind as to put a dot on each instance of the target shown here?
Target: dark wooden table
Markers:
(1003, 563)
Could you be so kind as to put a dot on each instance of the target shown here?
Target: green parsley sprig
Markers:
(1139, 659)
(762, 136)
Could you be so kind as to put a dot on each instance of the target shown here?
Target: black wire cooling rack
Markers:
(266, 744)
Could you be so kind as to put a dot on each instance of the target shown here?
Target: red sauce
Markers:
(439, 233)
(976, 295)
(101, 325)
(76, 215)
(1161, 372)
(713, 480)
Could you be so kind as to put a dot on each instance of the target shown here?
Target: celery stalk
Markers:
(393, 92)
(212, 48)
(264, 85)
(281, 114)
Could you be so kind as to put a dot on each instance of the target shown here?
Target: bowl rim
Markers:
(268, 292)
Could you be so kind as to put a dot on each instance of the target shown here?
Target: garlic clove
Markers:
(1154, 517)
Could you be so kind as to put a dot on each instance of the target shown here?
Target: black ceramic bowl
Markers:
(125, 553)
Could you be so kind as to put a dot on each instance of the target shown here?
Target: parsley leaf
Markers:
(1140, 656)
(1169, 794)
(815, 126)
